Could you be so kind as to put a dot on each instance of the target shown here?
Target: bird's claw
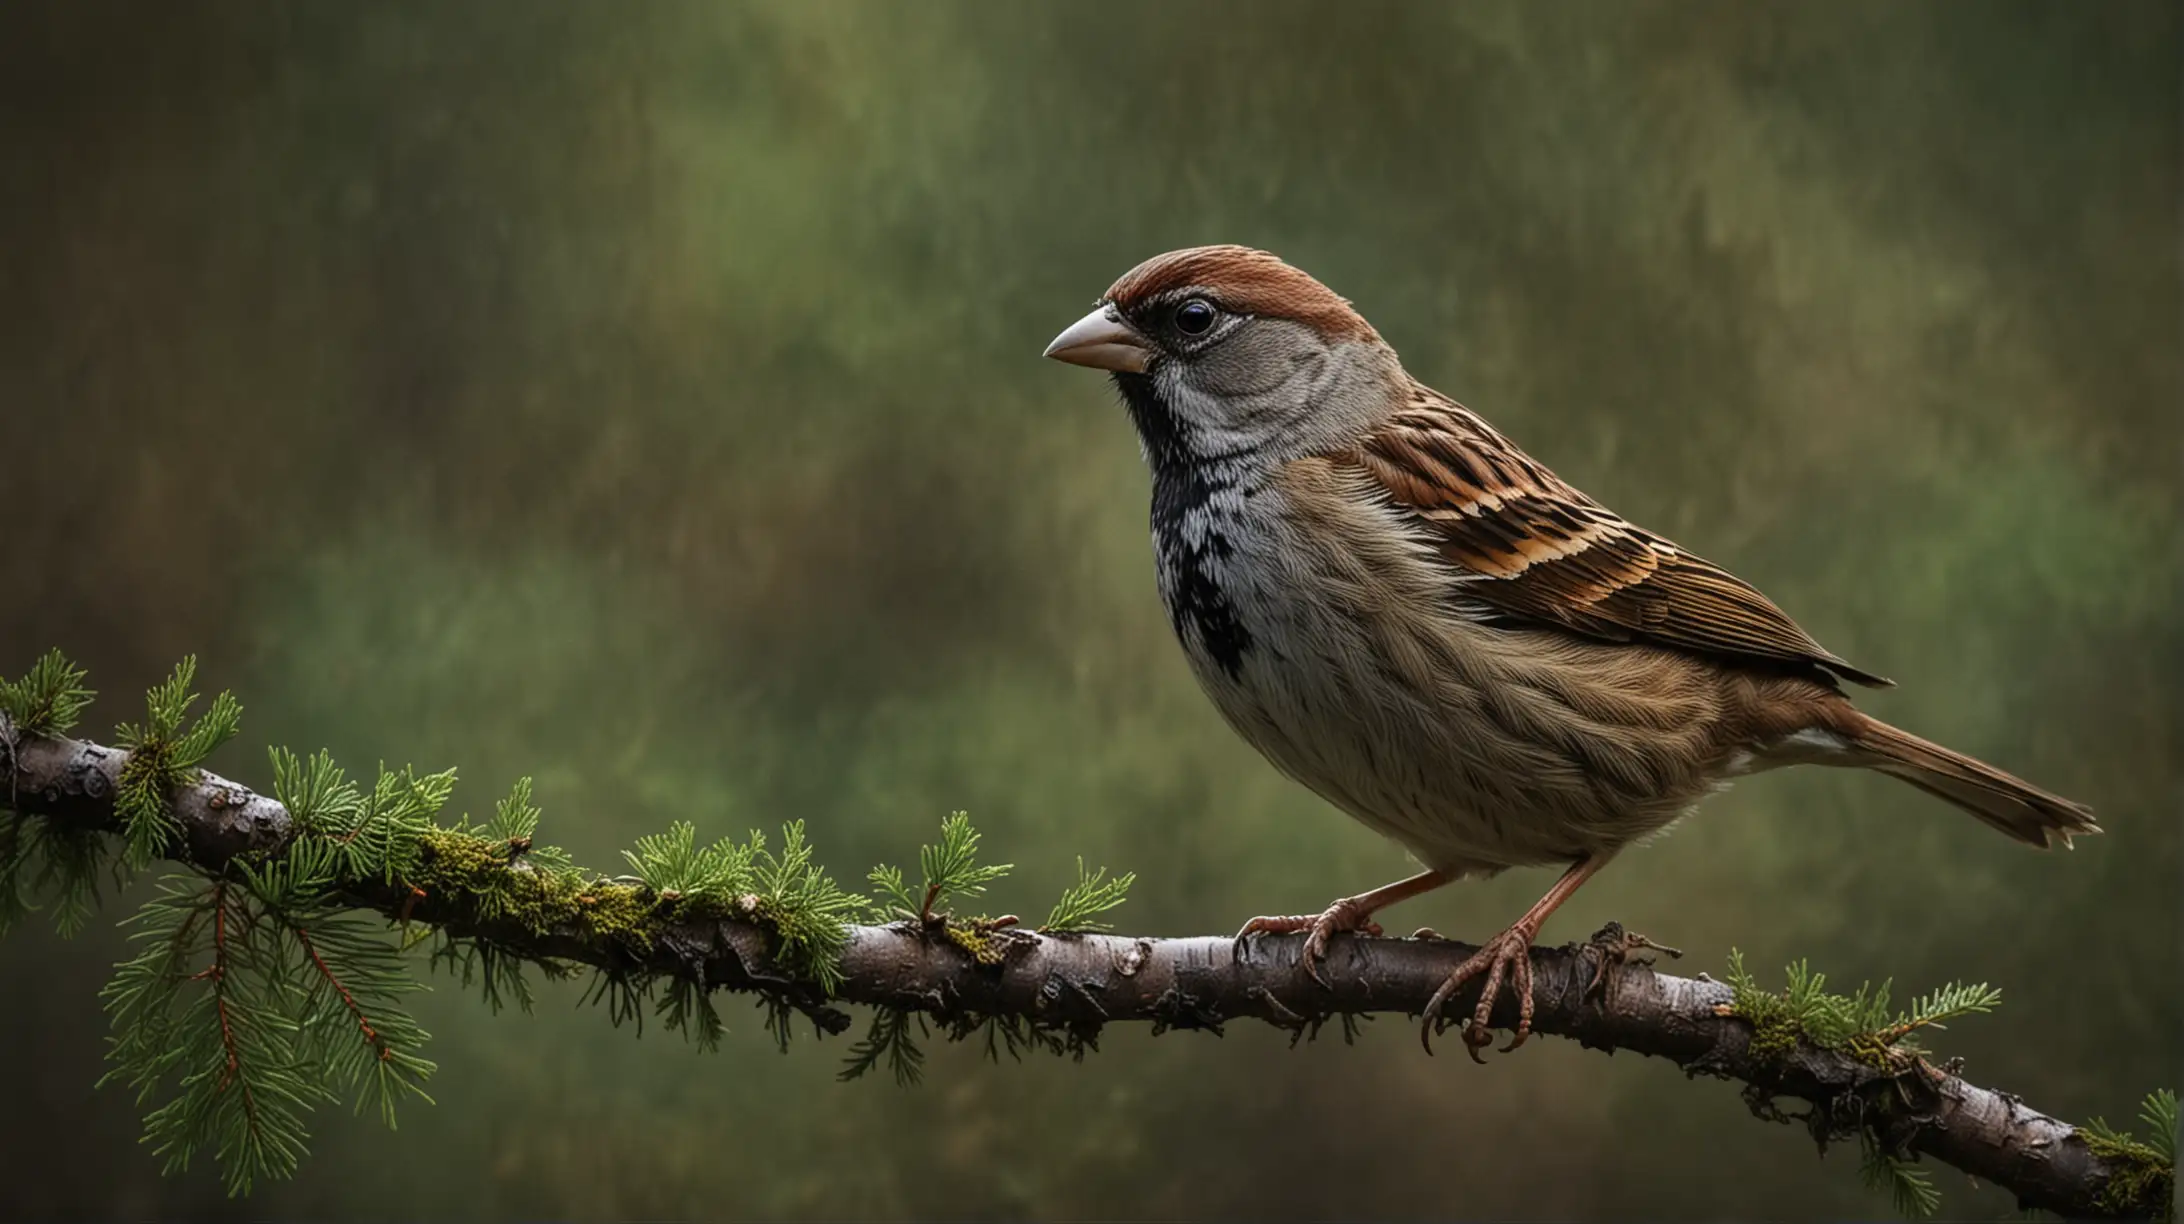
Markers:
(1509, 955)
(1319, 928)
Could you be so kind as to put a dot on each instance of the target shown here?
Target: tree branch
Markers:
(1078, 983)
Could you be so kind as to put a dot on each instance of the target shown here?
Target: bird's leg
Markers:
(1348, 914)
(1508, 953)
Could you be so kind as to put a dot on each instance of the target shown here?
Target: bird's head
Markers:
(1226, 351)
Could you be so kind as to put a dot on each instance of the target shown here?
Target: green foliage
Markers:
(253, 1000)
(258, 992)
(163, 756)
(353, 975)
(515, 822)
(671, 865)
(687, 1008)
(499, 877)
(43, 864)
(515, 818)
(2142, 1176)
(496, 972)
(1015, 1035)
(808, 910)
(888, 1040)
(1081, 904)
(1945, 1003)
(316, 792)
(296, 1002)
(1864, 1026)
(1909, 1187)
(508, 839)
(200, 1027)
(1861, 1024)
(167, 706)
(1805, 1002)
(895, 900)
(393, 823)
(951, 869)
(2158, 1111)
(141, 801)
(49, 699)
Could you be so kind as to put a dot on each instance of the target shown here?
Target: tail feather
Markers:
(2010, 804)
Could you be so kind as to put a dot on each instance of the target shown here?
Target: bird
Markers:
(1412, 617)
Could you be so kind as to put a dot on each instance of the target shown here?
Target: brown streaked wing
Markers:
(1546, 552)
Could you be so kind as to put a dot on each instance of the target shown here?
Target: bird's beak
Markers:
(1102, 341)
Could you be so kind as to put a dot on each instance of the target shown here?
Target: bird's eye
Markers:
(1195, 317)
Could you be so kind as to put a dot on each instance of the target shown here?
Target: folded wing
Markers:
(1542, 551)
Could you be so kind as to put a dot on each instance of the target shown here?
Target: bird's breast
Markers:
(1332, 639)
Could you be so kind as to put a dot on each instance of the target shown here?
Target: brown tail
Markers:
(2013, 805)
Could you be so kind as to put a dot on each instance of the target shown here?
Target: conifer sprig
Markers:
(42, 863)
(951, 869)
(2158, 1111)
(203, 1025)
(807, 908)
(348, 978)
(316, 792)
(887, 1039)
(254, 999)
(1863, 1024)
(257, 993)
(49, 699)
(672, 865)
(1835, 1021)
(163, 756)
(1911, 1189)
(2145, 1177)
(1077, 911)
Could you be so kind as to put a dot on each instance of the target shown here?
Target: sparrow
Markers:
(1426, 626)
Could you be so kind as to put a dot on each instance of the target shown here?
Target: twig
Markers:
(233, 1074)
(363, 1022)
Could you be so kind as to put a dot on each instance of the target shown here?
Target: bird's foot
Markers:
(1344, 915)
(1509, 955)
(1615, 947)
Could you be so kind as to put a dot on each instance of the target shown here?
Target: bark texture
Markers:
(1076, 984)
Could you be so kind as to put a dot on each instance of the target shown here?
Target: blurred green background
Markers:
(647, 397)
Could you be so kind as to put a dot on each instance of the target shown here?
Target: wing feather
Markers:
(1540, 550)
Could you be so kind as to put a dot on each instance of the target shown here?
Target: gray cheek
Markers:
(1263, 356)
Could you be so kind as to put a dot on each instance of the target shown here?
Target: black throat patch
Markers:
(1183, 495)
